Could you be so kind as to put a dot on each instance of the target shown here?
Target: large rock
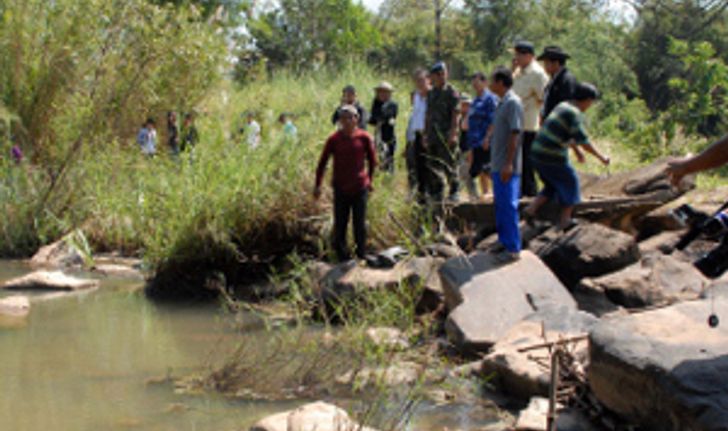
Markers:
(318, 416)
(49, 280)
(657, 280)
(347, 280)
(57, 255)
(664, 369)
(487, 298)
(589, 250)
(534, 417)
(520, 374)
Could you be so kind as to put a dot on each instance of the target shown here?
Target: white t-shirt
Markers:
(417, 118)
(252, 134)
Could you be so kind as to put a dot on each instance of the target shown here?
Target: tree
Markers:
(301, 34)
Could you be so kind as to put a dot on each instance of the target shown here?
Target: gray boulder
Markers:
(487, 298)
(664, 369)
(57, 255)
(657, 280)
(348, 281)
(589, 250)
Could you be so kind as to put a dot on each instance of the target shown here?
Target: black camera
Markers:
(715, 263)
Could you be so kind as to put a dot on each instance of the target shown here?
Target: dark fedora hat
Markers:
(553, 53)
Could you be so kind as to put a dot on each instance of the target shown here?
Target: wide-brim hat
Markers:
(385, 86)
(553, 53)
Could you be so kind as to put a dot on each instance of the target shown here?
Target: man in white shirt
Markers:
(415, 151)
(530, 80)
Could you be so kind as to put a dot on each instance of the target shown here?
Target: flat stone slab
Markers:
(318, 416)
(49, 280)
(490, 298)
(664, 369)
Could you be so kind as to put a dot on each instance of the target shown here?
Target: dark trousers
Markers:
(387, 152)
(345, 204)
(528, 175)
(417, 168)
(442, 172)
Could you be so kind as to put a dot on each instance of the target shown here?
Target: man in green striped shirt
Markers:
(563, 129)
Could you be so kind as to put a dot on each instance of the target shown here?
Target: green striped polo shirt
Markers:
(563, 125)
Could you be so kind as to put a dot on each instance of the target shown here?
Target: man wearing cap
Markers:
(383, 118)
(550, 155)
(505, 155)
(348, 97)
(352, 149)
(562, 85)
(529, 82)
(441, 134)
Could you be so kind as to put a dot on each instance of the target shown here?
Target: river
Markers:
(85, 362)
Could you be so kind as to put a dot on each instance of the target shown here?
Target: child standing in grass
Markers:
(563, 128)
(352, 149)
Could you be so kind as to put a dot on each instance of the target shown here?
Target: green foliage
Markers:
(77, 78)
(648, 50)
(301, 34)
(702, 90)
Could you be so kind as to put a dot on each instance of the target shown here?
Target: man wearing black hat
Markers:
(562, 85)
(530, 80)
(562, 129)
(441, 133)
(348, 97)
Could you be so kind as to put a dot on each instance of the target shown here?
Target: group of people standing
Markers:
(177, 141)
(522, 121)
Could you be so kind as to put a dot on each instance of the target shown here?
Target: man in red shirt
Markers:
(352, 148)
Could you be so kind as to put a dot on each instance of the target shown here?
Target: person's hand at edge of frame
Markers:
(677, 170)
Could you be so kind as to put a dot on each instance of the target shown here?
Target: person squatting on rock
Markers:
(482, 113)
(415, 151)
(348, 97)
(529, 83)
(352, 149)
(563, 128)
(441, 134)
(383, 118)
(503, 140)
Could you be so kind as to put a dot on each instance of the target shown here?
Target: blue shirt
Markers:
(482, 112)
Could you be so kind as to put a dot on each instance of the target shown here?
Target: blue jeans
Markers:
(506, 211)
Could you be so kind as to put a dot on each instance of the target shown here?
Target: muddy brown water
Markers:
(83, 362)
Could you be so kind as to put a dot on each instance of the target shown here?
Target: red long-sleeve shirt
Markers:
(350, 153)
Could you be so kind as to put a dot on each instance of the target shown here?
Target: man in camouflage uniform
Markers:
(441, 134)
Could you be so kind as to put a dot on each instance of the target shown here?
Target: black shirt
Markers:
(383, 116)
(560, 89)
